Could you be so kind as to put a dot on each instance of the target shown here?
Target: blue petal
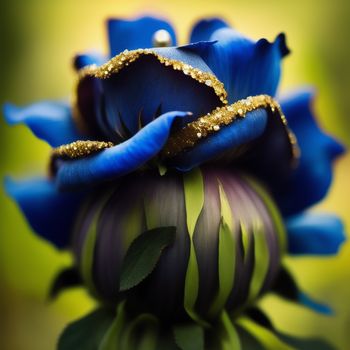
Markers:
(88, 59)
(245, 67)
(314, 305)
(315, 234)
(135, 34)
(121, 159)
(48, 120)
(310, 181)
(50, 213)
(227, 140)
(271, 157)
(204, 28)
(199, 46)
(142, 91)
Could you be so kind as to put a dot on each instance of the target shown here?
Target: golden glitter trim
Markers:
(220, 117)
(194, 132)
(79, 149)
(117, 63)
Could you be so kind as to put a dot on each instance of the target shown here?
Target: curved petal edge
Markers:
(120, 159)
(203, 29)
(135, 34)
(246, 67)
(315, 234)
(50, 213)
(50, 121)
(310, 181)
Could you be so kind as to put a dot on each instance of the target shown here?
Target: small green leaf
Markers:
(67, 278)
(88, 250)
(261, 261)
(226, 256)
(194, 197)
(166, 340)
(88, 254)
(245, 240)
(189, 336)
(143, 255)
(162, 169)
(140, 334)
(230, 340)
(191, 285)
(149, 338)
(265, 337)
(248, 341)
(273, 211)
(112, 336)
(194, 200)
(86, 333)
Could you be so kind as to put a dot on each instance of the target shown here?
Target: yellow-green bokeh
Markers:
(38, 40)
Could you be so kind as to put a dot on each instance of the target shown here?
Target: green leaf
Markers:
(88, 254)
(194, 198)
(189, 336)
(273, 211)
(140, 334)
(143, 255)
(86, 333)
(226, 256)
(248, 341)
(265, 337)
(149, 339)
(162, 169)
(167, 340)
(261, 261)
(230, 340)
(111, 338)
(67, 278)
(245, 240)
(88, 250)
(191, 285)
(194, 201)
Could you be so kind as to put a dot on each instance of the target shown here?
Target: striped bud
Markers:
(227, 249)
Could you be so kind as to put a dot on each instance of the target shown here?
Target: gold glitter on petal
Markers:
(194, 132)
(122, 60)
(79, 149)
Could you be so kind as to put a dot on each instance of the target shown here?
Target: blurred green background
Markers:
(38, 41)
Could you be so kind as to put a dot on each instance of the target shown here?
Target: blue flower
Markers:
(206, 104)
(246, 67)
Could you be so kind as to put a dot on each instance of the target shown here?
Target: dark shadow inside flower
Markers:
(134, 88)
(256, 140)
(273, 155)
